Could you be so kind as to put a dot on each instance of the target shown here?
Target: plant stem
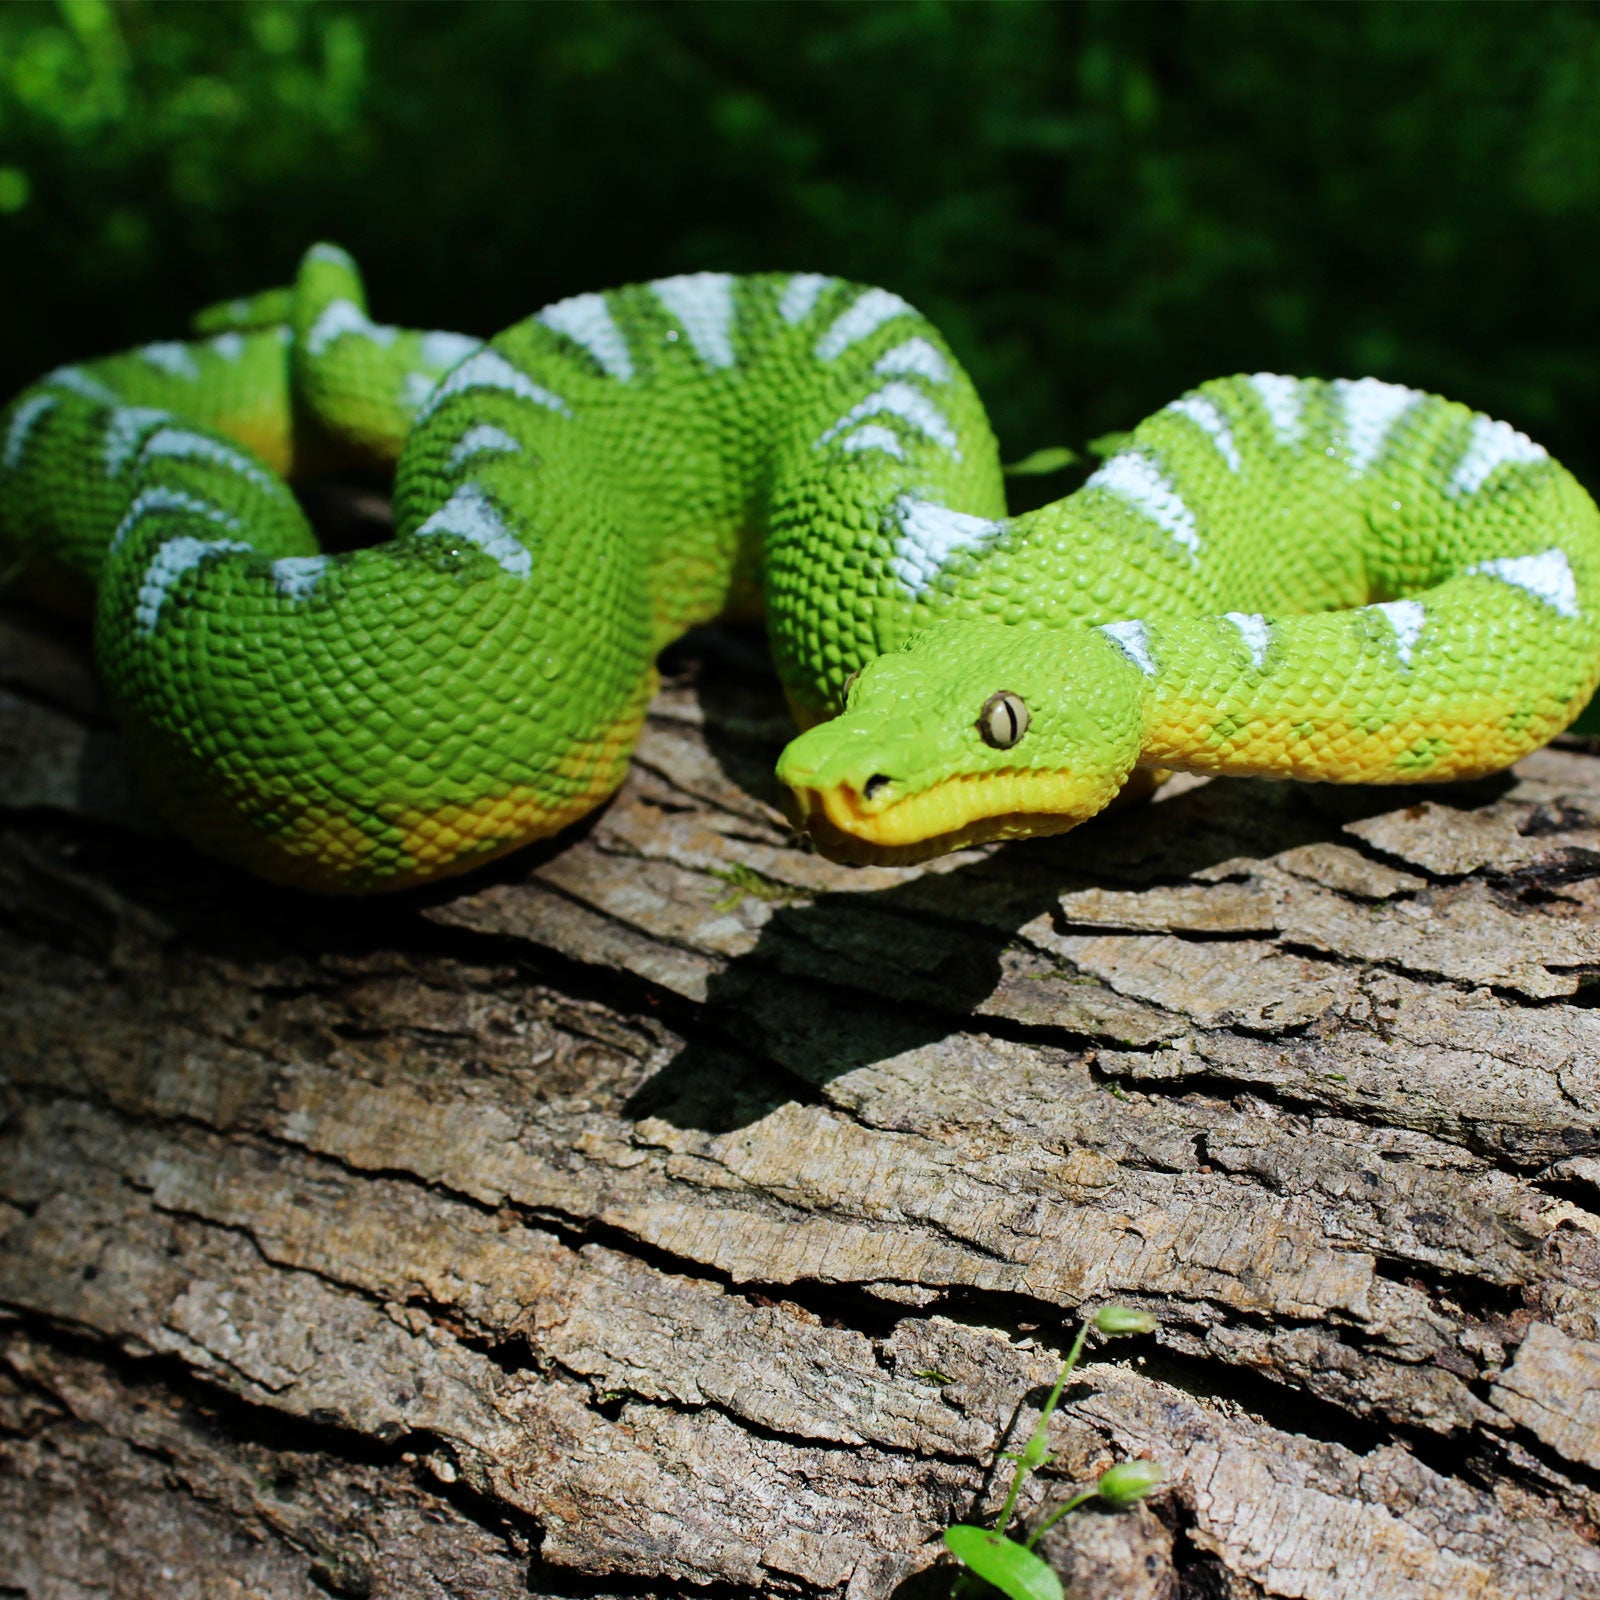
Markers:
(1042, 1430)
(1055, 1516)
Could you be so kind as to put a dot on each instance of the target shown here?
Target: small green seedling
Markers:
(1053, 458)
(1013, 1568)
(1108, 444)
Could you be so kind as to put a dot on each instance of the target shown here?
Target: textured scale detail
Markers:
(471, 515)
(296, 577)
(76, 381)
(126, 428)
(913, 408)
(1406, 618)
(1204, 414)
(915, 358)
(160, 498)
(416, 390)
(172, 561)
(1546, 576)
(1139, 481)
(490, 370)
(1371, 409)
(929, 535)
(1348, 580)
(1285, 404)
(800, 295)
(482, 438)
(874, 436)
(1492, 445)
(586, 319)
(171, 357)
(865, 315)
(441, 349)
(167, 441)
(1133, 640)
(21, 424)
(1256, 632)
(703, 304)
(341, 318)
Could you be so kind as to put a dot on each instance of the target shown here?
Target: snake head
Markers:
(968, 732)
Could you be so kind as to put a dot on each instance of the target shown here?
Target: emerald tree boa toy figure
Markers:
(1348, 581)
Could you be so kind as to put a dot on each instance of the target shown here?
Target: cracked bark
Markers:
(668, 1209)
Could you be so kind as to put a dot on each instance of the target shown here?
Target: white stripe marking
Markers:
(332, 255)
(21, 424)
(479, 439)
(1133, 640)
(586, 319)
(415, 388)
(79, 382)
(171, 561)
(340, 317)
(1136, 479)
(297, 576)
(471, 515)
(1256, 633)
(703, 304)
(1492, 445)
(159, 498)
(179, 442)
(915, 358)
(125, 427)
(910, 405)
(800, 295)
(230, 346)
(490, 370)
(874, 437)
(441, 349)
(1370, 408)
(1204, 414)
(866, 314)
(929, 534)
(1285, 403)
(1406, 617)
(1547, 577)
(171, 357)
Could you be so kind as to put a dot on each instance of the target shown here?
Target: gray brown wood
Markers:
(668, 1207)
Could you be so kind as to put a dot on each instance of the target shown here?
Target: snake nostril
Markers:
(874, 784)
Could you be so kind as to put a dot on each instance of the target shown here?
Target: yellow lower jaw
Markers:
(972, 808)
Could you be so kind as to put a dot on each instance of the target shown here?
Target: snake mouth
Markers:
(858, 828)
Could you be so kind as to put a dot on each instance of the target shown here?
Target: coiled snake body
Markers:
(1347, 580)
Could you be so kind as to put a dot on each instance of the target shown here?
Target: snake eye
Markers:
(1003, 720)
(849, 684)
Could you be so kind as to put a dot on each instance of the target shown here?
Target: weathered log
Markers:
(668, 1207)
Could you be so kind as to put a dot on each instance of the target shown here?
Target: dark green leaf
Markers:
(1053, 458)
(1107, 444)
(1012, 1570)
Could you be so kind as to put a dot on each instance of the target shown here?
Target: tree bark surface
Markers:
(668, 1211)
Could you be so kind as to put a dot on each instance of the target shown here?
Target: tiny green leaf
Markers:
(1128, 1481)
(1108, 444)
(1012, 1570)
(1114, 1320)
(1053, 458)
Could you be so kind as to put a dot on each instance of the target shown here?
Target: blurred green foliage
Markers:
(1100, 203)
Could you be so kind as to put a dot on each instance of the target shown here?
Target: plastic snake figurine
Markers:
(1348, 581)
